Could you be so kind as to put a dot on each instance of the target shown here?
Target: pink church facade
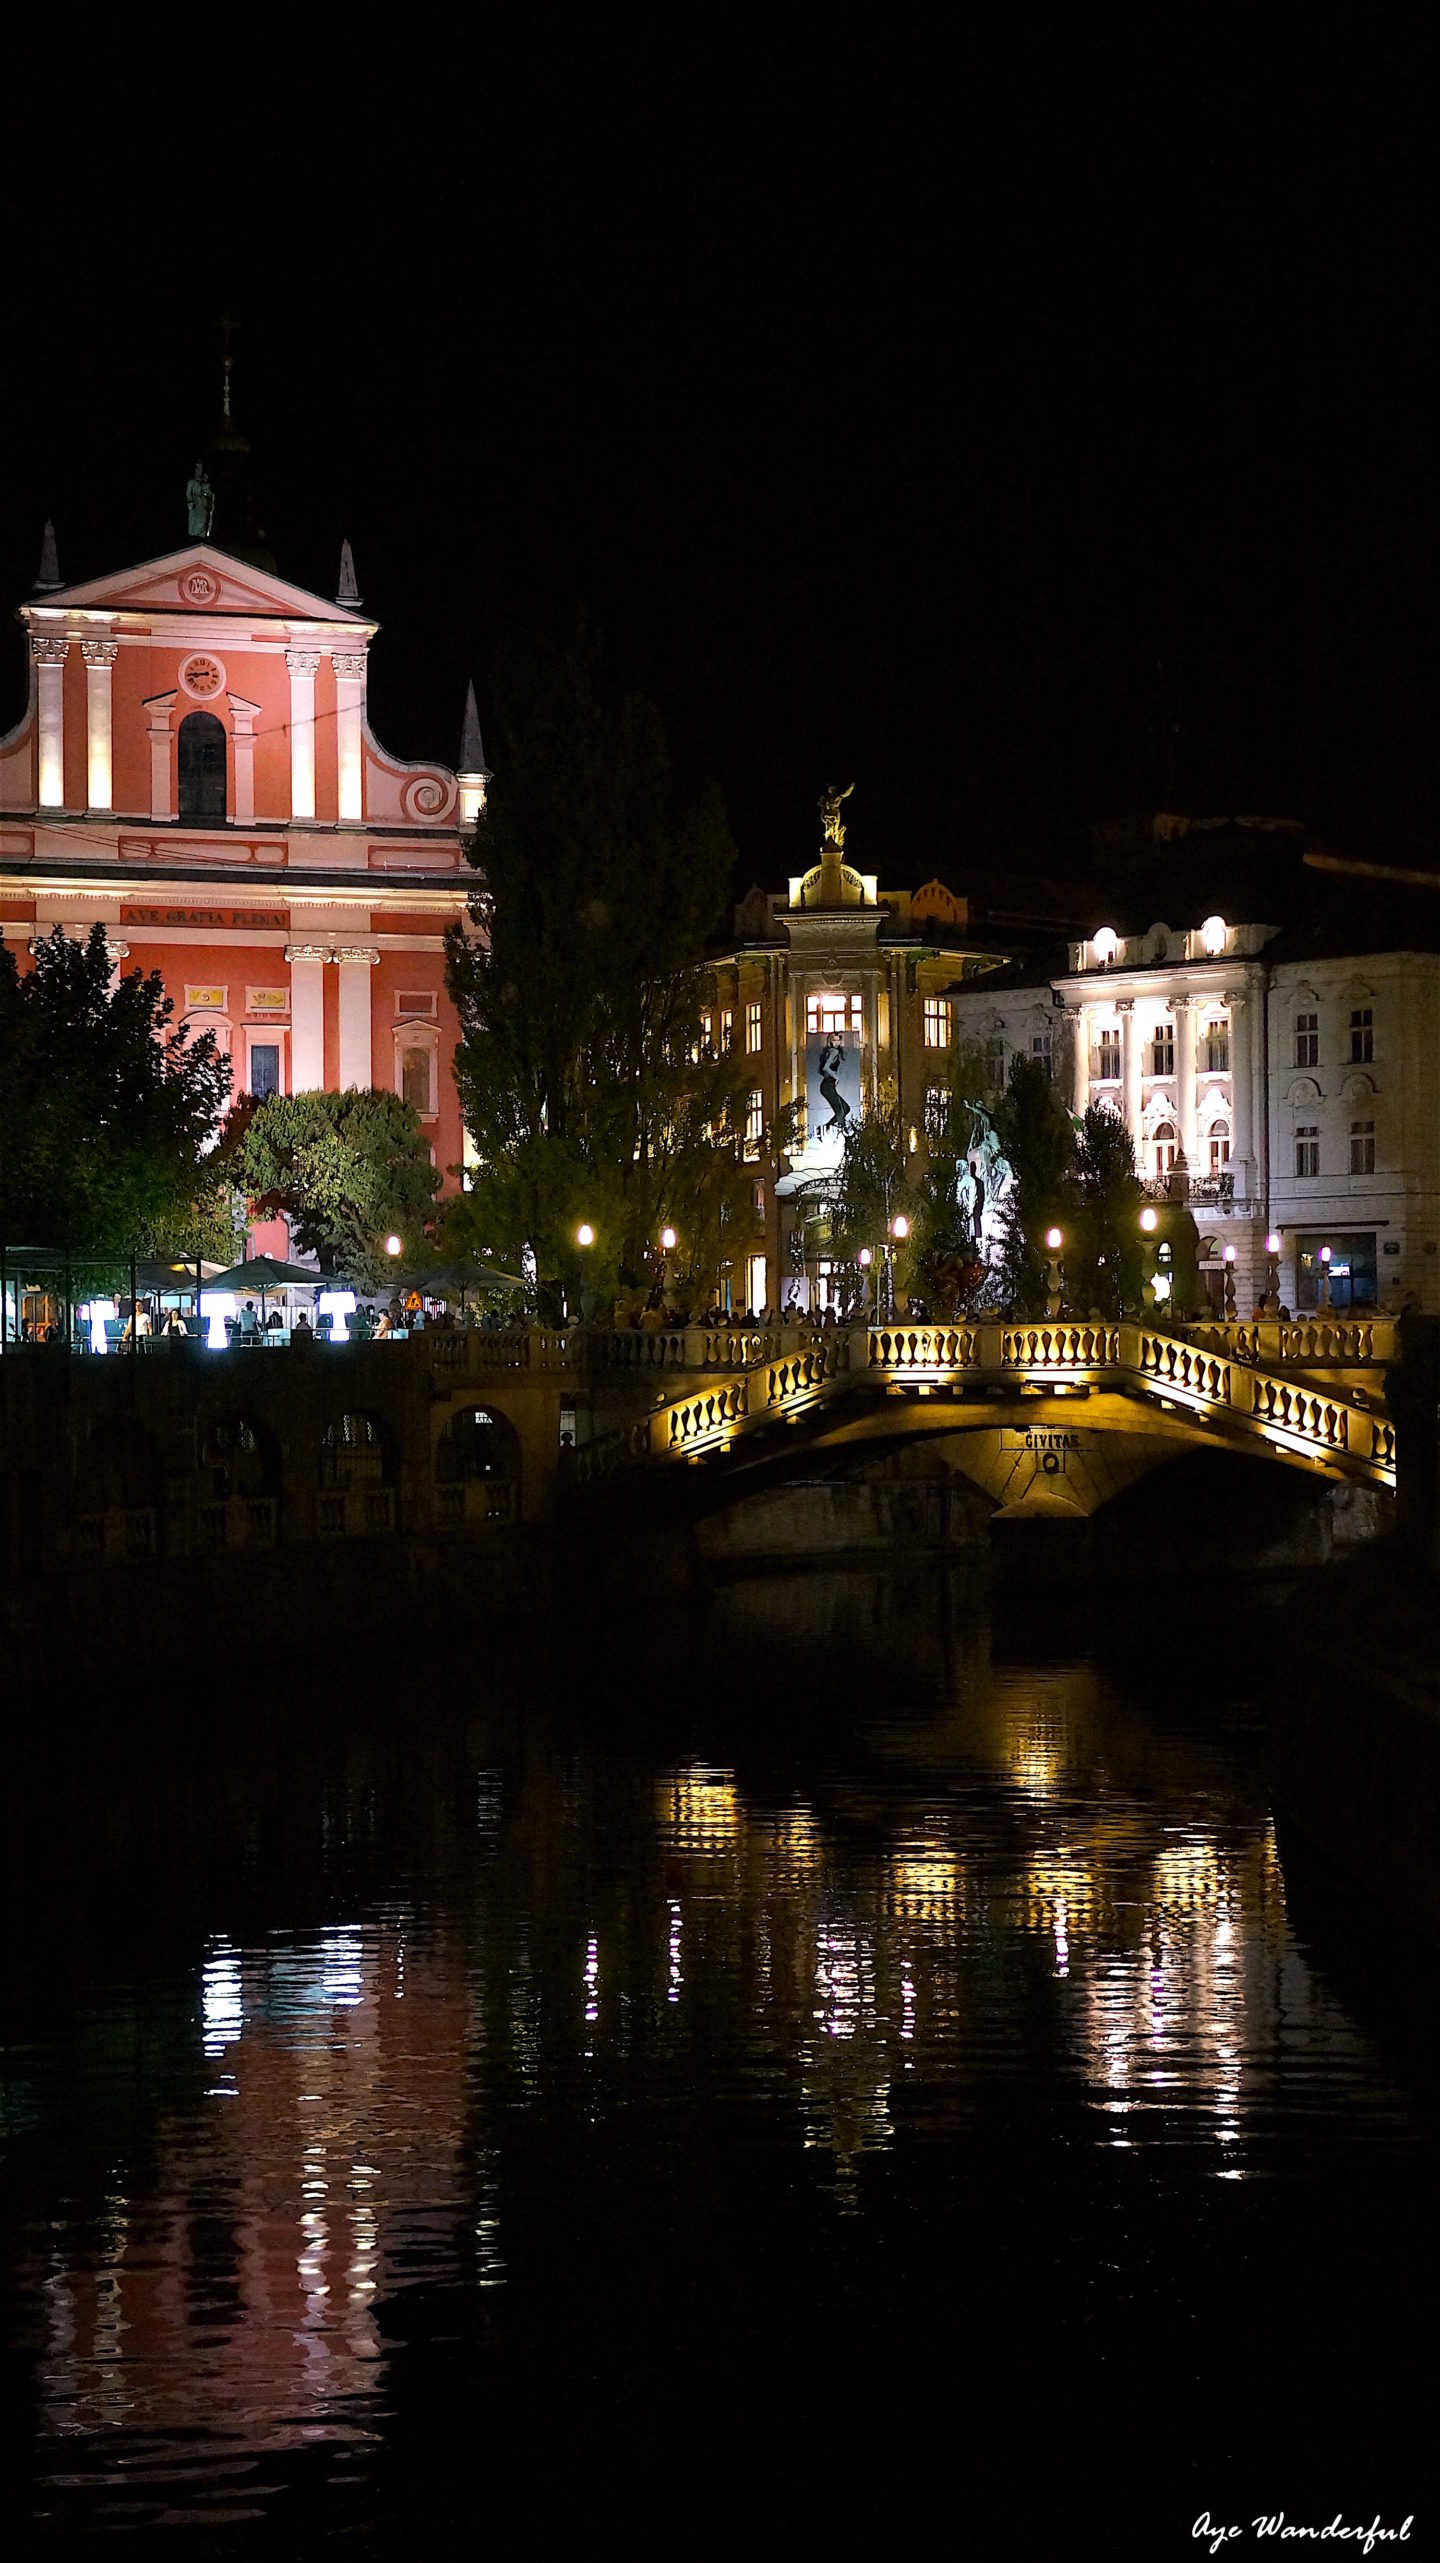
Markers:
(195, 772)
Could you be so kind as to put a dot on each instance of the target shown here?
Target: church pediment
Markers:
(201, 580)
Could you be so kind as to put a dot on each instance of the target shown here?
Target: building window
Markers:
(760, 1200)
(835, 1014)
(415, 1078)
(1109, 1054)
(937, 1112)
(1362, 1034)
(939, 1017)
(1307, 1041)
(1165, 1145)
(1042, 1051)
(1219, 1147)
(707, 1028)
(1217, 1049)
(1307, 1148)
(1162, 1050)
(264, 1068)
(727, 1028)
(1362, 1147)
(200, 767)
(754, 1118)
(752, 1028)
(995, 1063)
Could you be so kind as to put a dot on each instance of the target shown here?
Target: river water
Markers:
(737, 2073)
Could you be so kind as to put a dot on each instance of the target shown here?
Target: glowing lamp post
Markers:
(865, 1259)
(1230, 1282)
(899, 1231)
(394, 1246)
(1325, 1253)
(584, 1234)
(1271, 1301)
(1054, 1279)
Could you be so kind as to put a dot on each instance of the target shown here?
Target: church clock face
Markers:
(202, 676)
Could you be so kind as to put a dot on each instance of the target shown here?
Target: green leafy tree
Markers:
(1037, 1135)
(588, 1091)
(1104, 1260)
(877, 1184)
(108, 1110)
(346, 1170)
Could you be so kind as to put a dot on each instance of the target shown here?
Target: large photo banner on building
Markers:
(832, 1088)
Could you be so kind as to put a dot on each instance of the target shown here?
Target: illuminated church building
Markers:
(195, 772)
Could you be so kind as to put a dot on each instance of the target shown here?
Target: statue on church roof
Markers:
(199, 503)
(830, 819)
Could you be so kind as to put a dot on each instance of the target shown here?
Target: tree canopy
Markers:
(589, 1091)
(346, 1170)
(108, 1110)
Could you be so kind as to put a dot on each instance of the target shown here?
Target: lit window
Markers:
(755, 1117)
(760, 1200)
(415, 1079)
(1042, 1051)
(1217, 1049)
(1162, 1050)
(264, 1068)
(937, 1112)
(1165, 1145)
(938, 1020)
(1109, 1054)
(1307, 1041)
(1219, 1147)
(1362, 1147)
(835, 1014)
(727, 1027)
(707, 1027)
(752, 1028)
(1307, 1148)
(1362, 1033)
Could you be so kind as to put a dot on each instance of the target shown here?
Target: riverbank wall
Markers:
(1355, 1730)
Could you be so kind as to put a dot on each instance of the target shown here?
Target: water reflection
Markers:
(1016, 1888)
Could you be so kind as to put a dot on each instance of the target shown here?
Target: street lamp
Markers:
(1230, 1282)
(584, 1234)
(865, 1259)
(899, 1231)
(1054, 1240)
(1325, 1253)
(394, 1246)
(668, 1240)
(1271, 1301)
(1149, 1221)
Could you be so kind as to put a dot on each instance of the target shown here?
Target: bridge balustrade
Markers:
(1342, 1341)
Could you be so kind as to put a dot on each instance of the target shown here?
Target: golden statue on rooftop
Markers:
(830, 819)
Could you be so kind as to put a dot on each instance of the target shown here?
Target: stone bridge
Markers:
(1054, 1416)
(172, 1450)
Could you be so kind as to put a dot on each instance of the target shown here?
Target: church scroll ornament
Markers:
(832, 825)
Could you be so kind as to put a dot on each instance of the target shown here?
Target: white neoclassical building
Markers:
(1287, 1079)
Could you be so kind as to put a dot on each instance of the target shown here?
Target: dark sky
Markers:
(965, 420)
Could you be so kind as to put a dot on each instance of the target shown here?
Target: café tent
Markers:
(266, 1273)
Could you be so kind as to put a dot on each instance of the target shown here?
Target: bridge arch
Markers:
(357, 1450)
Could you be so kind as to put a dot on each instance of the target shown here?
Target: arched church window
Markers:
(1219, 1147)
(200, 766)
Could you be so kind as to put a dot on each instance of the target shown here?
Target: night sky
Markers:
(1031, 435)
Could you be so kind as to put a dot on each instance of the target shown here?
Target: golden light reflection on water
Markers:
(869, 1950)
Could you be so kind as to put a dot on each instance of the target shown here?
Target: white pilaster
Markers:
(49, 656)
(1184, 1014)
(99, 657)
(1130, 1071)
(302, 665)
(356, 963)
(160, 712)
(1242, 1125)
(1080, 1039)
(307, 1016)
(243, 717)
(349, 666)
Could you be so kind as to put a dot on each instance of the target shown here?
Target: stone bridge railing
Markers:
(1204, 1373)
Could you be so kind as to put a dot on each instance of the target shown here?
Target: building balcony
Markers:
(1224, 1192)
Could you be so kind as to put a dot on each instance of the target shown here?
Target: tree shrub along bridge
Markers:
(178, 1451)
